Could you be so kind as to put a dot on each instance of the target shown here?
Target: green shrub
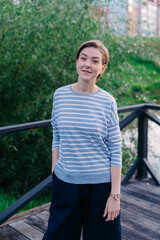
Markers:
(137, 88)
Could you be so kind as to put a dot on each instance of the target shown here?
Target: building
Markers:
(144, 17)
(131, 17)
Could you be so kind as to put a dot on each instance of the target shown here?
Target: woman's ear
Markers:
(103, 68)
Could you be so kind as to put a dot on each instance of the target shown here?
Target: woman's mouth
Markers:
(85, 71)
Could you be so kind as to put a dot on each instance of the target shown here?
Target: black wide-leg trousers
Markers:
(77, 206)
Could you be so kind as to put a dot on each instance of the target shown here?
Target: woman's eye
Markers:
(94, 61)
(82, 58)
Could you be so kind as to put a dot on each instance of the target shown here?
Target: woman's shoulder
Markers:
(62, 90)
(107, 96)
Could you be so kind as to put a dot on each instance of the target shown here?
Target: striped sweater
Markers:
(86, 132)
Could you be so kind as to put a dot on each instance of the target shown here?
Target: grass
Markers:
(143, 81)
(7, 200)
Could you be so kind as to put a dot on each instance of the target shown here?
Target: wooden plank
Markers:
(7, 232)
(140, 195)
(145, 190)
(1, 238)
(145, 211)
(141, 203)
(43, 215)
(27, 230)
(27, 213)
(149, 186)
(144, 226)
(129, 234)
(37, 223)
(145, 184)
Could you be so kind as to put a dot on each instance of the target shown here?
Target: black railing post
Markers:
(142, 144)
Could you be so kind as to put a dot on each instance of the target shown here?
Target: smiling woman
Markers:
(89, 65)
(86, 155)
(96, 45)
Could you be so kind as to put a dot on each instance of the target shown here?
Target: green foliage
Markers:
(7, 200)
(24, 162)
(38, 44)
(137, 88)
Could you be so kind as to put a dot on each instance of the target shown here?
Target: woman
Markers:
(86, 155)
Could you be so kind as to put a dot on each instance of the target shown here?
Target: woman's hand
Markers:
(112, 209)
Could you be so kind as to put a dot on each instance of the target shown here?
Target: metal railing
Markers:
(141, 164)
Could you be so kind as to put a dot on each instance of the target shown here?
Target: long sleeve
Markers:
(55, 141)
(114, 137)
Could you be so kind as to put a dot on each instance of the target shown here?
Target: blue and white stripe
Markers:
(86, 132)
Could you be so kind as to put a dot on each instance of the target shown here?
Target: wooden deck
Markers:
(140, 213)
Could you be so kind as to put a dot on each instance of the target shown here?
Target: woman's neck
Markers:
(85, 87)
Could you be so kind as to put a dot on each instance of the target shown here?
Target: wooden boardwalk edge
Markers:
(139, 214)
(27, 213)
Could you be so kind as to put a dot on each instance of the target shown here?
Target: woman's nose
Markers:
(87, 63)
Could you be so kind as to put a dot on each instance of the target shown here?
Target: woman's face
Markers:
(89, 65)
